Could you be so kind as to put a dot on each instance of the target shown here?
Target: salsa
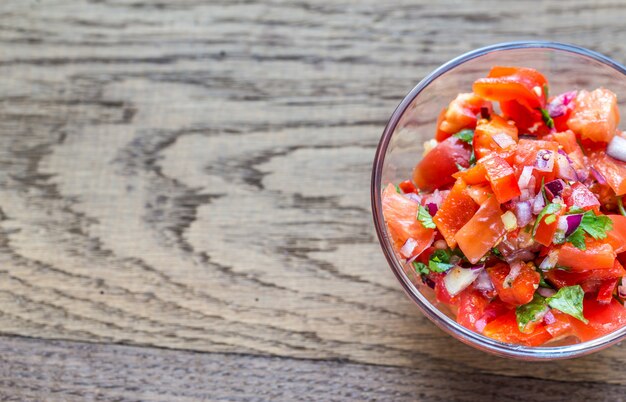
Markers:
(514, 215)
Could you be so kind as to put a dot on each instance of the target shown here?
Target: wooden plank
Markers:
(72, 371)
(195, 175)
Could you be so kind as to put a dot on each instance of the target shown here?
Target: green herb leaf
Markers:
(545, 92)
(543, 190)
(496, 252)
(542, 281)
(530, 312)
(575, 210)
(441, 255)
(578, 239)
(439, 266)
(620, 205)
(421, 268)
(459, 167)
(546, 118)
(398, 189)
(596, 226)
(440, 261)
(547, 210)
(424, 217)
(570, 301)
(466, 135)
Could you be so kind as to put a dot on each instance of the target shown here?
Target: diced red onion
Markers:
(544, 161)
(573, 221)
(558, 106)
(562, 152)
(538, 204)
(503, 140)
(428, 282)
(407, 249)
(598, 176)
(555, 187)
(545, 292)
(566, 170)
(432, 208)
(457, 279)
(435, 198)
(480, 325)
(483, 282)
(617, 148)
(550, 261)
(524, 178)
(523, 213)
(548, 318)
(414, 197)
(516, 268)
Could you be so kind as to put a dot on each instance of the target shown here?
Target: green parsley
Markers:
(466, 135)
(547, 210)
(620, 205)
(421, 268)
(496, 252)
(440, 261)
(596, 226)
(530, 312)
(570, 301)
(546, 118)
(424, 217)
(575, 210)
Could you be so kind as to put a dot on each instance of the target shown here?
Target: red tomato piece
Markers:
(598, 255)
(471, 307)
(502, 178)
(562, 327)
(595, 115)
(526, 155)
(614, 171)
(605, 293)
(479, 192)
(435, 170)
(441, 292)
(505, 329)
(482, 231)
(582, 197)
(561, 278)
(617, 235)
(400, 213)
(407, 186)
(456, 210)
(524, 85)
(441, 135)
(484, 143)
(521, 290)
(545, 231)
(473, 175)
(525, 119)
(461, 113)
(567, 139)
(603, 319)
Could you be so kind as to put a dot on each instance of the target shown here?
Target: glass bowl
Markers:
(413, 122)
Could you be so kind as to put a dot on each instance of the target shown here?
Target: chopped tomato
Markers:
(524, 85)
(471, 307)
(441, 135)
(562, 325)
(495, 136)
(479, 192)
(435, 170)
(502, 178)
(605, 293)
(474, 175)
(617, 235)
(461, 113)
(456, 210)
(595, 115)
(482, 231)
(614, 171)
(505, 329)
(407, 187)
(567, 139)
(525, 119)
(582, 197)
(545, 231)
(598, 255)
(526, 155)
(441, 292)
(400, 213)
(561, 278)
(603, 319)
(521, 289)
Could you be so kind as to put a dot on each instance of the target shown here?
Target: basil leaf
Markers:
(570, 301)
(424, 217)
(530, 312)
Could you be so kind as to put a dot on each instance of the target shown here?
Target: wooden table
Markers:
(184, 200)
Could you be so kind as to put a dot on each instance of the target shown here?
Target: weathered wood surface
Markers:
(70, 371)
(195, 175)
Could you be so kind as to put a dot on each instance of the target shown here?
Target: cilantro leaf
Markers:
(421, 268)
(578, 239)
(570, 301)
(548, 209)
(440, 261)
(574, 210)
(398, 189)
(424, 217)
(466, 135)
(530, 312)
(596, 225)
(546, 118)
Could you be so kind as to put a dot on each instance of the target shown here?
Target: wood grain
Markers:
(70, 371)
(195, 175)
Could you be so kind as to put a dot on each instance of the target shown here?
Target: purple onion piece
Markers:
(432, 208)
(566, 171)
(544, 161)
(428, 282)
(538, 204)
(559, 105)
(573, 221)
(598, 176)
(562, 152)
(523, 213)
(555, 187)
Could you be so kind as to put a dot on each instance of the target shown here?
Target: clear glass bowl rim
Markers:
(432, 312)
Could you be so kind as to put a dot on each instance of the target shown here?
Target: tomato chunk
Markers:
(505, 329)
(526, 120)
(567, 139)
(456, 210)
(561, 278)
(595, 115)
(482, 231)
(524, 85)
(521, 289)
(435, 170)
(526, 155)
(471, 307)
(495, 136)
(562, 325)
(407, 187)
(501, 176)
(598, 255)
(582, 197)
(545, 231)
(617, 235)
(603, 319)
(605, 293)
(614, 171)
(461, 113)
(400, 216)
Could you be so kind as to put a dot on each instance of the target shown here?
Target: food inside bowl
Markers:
(514, 214)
